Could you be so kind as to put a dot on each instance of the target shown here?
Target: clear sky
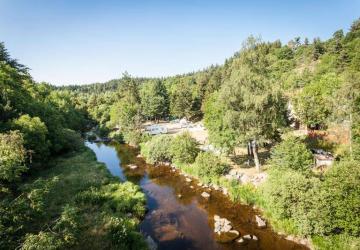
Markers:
(85, 41)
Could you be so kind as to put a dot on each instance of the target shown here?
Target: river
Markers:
(185, 222)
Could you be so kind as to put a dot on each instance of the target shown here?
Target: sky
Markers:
(85, 41)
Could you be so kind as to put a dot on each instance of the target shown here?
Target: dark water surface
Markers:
(186, 222)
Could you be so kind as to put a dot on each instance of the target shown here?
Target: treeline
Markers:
(48, 201)
(250, 101)
(310, 79)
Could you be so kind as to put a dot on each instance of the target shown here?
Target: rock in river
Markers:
(260, 222)
(132, 166)
(227, 236)
(205, 195)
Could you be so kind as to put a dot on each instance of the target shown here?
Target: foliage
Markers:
(35, 136)
(184, 102)
(184, 148)
(157, 149)
(342, 193)
(289, 194)
(75, 208)
(315, 103)
(12, 156)
(336, 242)
(42, 241)
(154, 100)
(208, 166)
(292, 153)
(70, 140)
(220, 134)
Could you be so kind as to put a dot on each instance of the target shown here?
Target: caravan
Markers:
(156, 130)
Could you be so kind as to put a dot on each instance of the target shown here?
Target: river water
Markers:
(185, 222)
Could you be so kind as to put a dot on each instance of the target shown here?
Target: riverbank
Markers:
(251, 195)
(292, 198)
(98, 212)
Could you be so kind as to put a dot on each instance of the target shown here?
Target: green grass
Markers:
(336, 242)
(103, 204)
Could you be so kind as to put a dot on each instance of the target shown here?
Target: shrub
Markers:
(68, 225)
(35, 136)
(157, 149)
(291, 153)
(71, 140)
(42, 241)
(342, 194)
(122, 234)
(132, 137)
(292, 195)
(184, 148)
(12, 156)
(209, 166)
(117, 136)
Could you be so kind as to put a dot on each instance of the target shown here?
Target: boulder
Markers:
(205, 195)
(241, 240)
(247, 237)
(254, 237)
(188, 179)
(290, 237)
(260, 222)
(132, 166)
(227, 228)
(216, 217)
(227, 236)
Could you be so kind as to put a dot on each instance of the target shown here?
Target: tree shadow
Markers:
(244, 161)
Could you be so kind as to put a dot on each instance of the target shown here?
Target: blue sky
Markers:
(74, 42)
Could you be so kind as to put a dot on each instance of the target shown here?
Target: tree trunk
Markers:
(256, 157)
(249, 153)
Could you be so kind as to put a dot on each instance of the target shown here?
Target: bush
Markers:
(42, 241)
(132, 137)
(292, 195)
(184, 148)
(71, 140)
(117, 136)
(12, 156)
(291, 153)
(35, 136)
(122, 234)
(209, 166)
(342, 194)
(157, 149)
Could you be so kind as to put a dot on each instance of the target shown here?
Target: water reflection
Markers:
(184, 222)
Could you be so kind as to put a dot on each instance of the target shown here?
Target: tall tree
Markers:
(255, 109)
(154, 100)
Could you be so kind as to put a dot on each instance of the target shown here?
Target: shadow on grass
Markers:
(244, 161)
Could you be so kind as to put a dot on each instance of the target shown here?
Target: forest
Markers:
(252, 100)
